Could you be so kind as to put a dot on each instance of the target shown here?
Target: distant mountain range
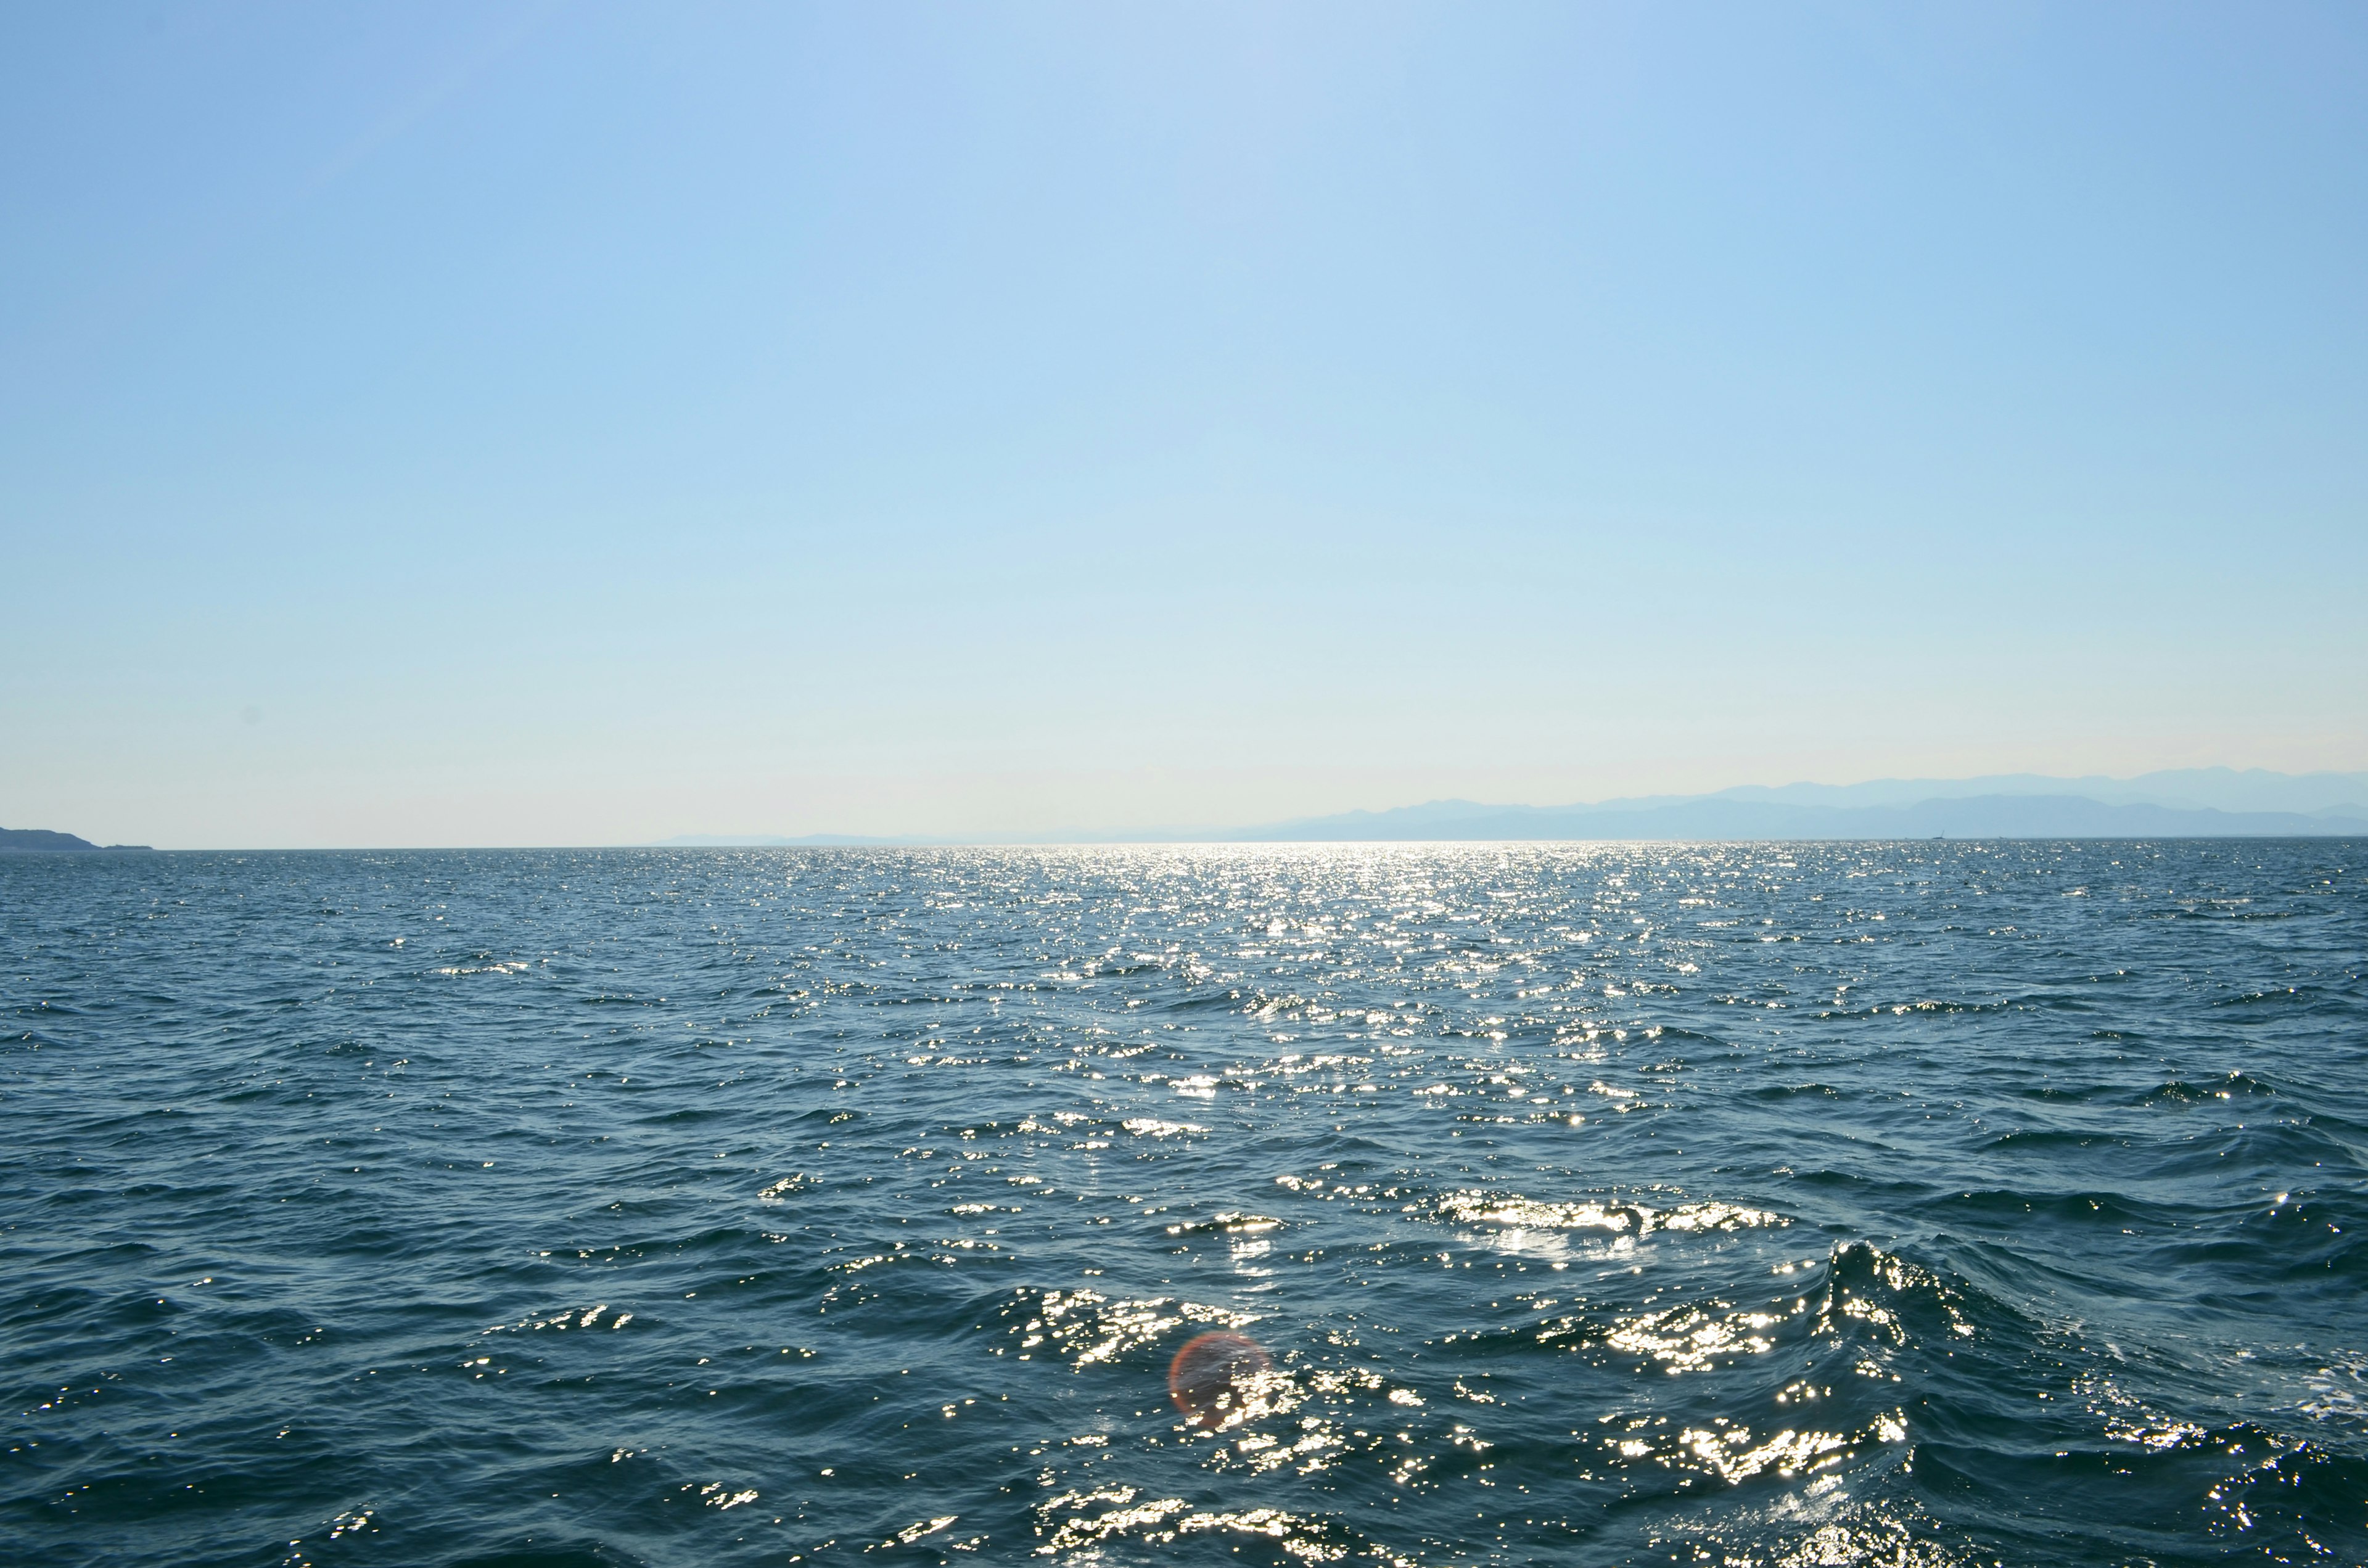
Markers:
(1726, 817)
(2204, 803)
(42, 841)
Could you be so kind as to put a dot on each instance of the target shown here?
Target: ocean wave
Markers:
(813, 1206)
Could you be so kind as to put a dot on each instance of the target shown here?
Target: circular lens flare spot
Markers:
(1213, 1378)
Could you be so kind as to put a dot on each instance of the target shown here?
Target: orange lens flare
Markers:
(1212, 1378)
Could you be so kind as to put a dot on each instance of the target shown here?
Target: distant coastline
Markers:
(2214, 802)
(2204, 803)
(43, 841)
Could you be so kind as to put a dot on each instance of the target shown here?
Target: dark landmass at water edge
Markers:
(43, 841)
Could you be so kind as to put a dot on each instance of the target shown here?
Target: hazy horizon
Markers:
(2249, 798)
(517, 424)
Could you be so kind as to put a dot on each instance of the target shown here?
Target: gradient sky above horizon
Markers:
(500, 424)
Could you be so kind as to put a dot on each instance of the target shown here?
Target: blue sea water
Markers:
(1908, 1203)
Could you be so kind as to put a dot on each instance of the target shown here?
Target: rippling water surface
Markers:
(1901, 1203)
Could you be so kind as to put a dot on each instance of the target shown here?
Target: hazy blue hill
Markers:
(2196, 803)
(1726, 816)
(2198, 789)
(43, 841)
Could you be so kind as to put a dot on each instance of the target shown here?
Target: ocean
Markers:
(1901, 1203)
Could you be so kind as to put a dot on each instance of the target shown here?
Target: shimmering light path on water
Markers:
(1927, 1203)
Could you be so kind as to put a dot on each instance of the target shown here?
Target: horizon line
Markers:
(134, 852)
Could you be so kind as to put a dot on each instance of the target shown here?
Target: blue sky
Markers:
(584, 424)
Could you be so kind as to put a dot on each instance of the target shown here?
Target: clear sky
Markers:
(500, 424)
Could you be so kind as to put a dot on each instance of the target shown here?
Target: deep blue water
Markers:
(1899, 1203)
